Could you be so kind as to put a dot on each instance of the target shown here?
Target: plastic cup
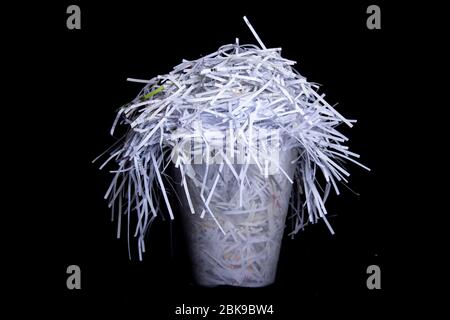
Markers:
(236, 240)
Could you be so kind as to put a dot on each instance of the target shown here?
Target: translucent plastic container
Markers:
(237, 242)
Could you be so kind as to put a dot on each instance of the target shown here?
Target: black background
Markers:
(84, 75)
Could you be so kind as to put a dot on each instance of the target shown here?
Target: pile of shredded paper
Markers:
(248, 136)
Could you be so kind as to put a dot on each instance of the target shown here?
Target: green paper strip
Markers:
(151, 94)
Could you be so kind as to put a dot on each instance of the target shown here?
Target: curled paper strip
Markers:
(229, 121)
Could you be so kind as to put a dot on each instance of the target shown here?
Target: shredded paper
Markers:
(247, 137)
